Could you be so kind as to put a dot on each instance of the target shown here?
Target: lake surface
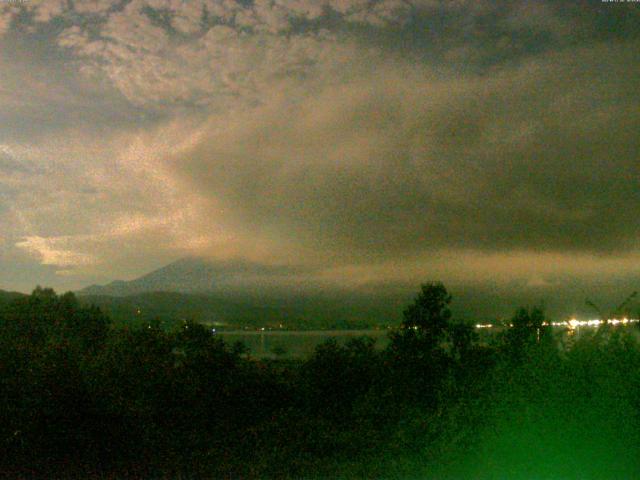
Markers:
(302, 343)
(294, 343)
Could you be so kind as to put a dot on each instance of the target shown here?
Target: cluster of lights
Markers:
(574, 323)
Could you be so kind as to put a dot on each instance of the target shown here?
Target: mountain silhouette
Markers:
(196, 275)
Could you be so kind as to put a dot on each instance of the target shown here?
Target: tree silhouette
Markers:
(419, 363)
(427, 319)
(463, 337)
(527, 329)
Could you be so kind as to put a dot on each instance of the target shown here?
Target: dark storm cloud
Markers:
(542, 156)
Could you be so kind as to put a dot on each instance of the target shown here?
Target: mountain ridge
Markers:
(194, 275)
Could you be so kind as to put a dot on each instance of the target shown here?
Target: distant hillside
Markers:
(242, 293)
(236, 293)
(224, 310)
(6, 297)
(237, 311)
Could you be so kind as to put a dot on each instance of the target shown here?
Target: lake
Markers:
(301, 343)
(296, 343)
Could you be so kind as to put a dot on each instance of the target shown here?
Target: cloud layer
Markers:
(390, 137)
(539, 156)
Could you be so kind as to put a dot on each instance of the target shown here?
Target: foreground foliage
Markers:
(80, 398)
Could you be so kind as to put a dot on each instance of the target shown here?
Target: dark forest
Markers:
(81, 398)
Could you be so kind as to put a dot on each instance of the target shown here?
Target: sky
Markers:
(368, 141)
